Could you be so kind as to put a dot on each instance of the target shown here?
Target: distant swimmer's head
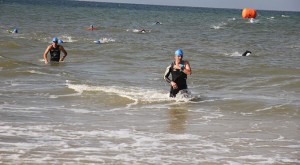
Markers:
(91, 26)
(97, 42)
(179, 53)
(15, 31)
(246, 53)
(60, 41)
(55, 40)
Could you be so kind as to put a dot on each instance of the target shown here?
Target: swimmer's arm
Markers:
(166, 77)
(65, 53)
(45, 54)
(167, 73)
(187, 68)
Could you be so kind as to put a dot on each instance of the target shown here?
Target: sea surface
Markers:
(108, 103)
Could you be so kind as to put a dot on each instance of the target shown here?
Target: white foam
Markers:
(286, 16)
(269, 108)
(294, 146)
(133, 30)
(215, 27)
(136, 94)
(79, 110)
(121, 145)
(234, 54)
(237, 54)
(252, 20)
(107, 40)
(66, 95)
(36, 72)
(246, 114)
(133, 93)
(219, 26)
(67, 38)
(137, 30)
(232, 19)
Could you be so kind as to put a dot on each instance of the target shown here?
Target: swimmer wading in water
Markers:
(179, 70)
(54, 50)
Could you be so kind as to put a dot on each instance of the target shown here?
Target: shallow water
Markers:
(108, 103)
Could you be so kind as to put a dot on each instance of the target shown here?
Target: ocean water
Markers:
(108, 102)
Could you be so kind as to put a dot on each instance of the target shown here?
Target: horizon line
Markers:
(187, 6)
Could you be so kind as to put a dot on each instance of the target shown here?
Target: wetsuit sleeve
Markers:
(167, 73)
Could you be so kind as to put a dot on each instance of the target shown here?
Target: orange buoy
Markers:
(248, 13)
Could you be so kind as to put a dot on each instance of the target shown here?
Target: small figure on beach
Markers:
(55, 50)
(179, 69)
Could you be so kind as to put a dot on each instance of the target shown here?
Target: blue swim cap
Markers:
(60, 41)
(15, 31)
(55, 39)
(179, 52)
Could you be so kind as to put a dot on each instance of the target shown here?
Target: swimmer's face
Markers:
(178, 58)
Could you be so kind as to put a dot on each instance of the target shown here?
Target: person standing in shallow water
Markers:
(179, 69)
(55, 50)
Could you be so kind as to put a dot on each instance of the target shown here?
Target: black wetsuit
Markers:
(246, 52)
(55, 54)
(178, 76)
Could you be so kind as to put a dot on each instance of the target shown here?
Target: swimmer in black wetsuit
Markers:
(246, 53)
(179, 70)
(54, 50)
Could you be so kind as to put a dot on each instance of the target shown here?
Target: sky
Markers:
(279, 5)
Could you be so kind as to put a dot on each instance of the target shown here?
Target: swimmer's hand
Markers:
(174, 85)
(179, 66)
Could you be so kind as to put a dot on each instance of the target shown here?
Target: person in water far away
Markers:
(179, 70)
(54, 50)
(143, 31)
(91, 28)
